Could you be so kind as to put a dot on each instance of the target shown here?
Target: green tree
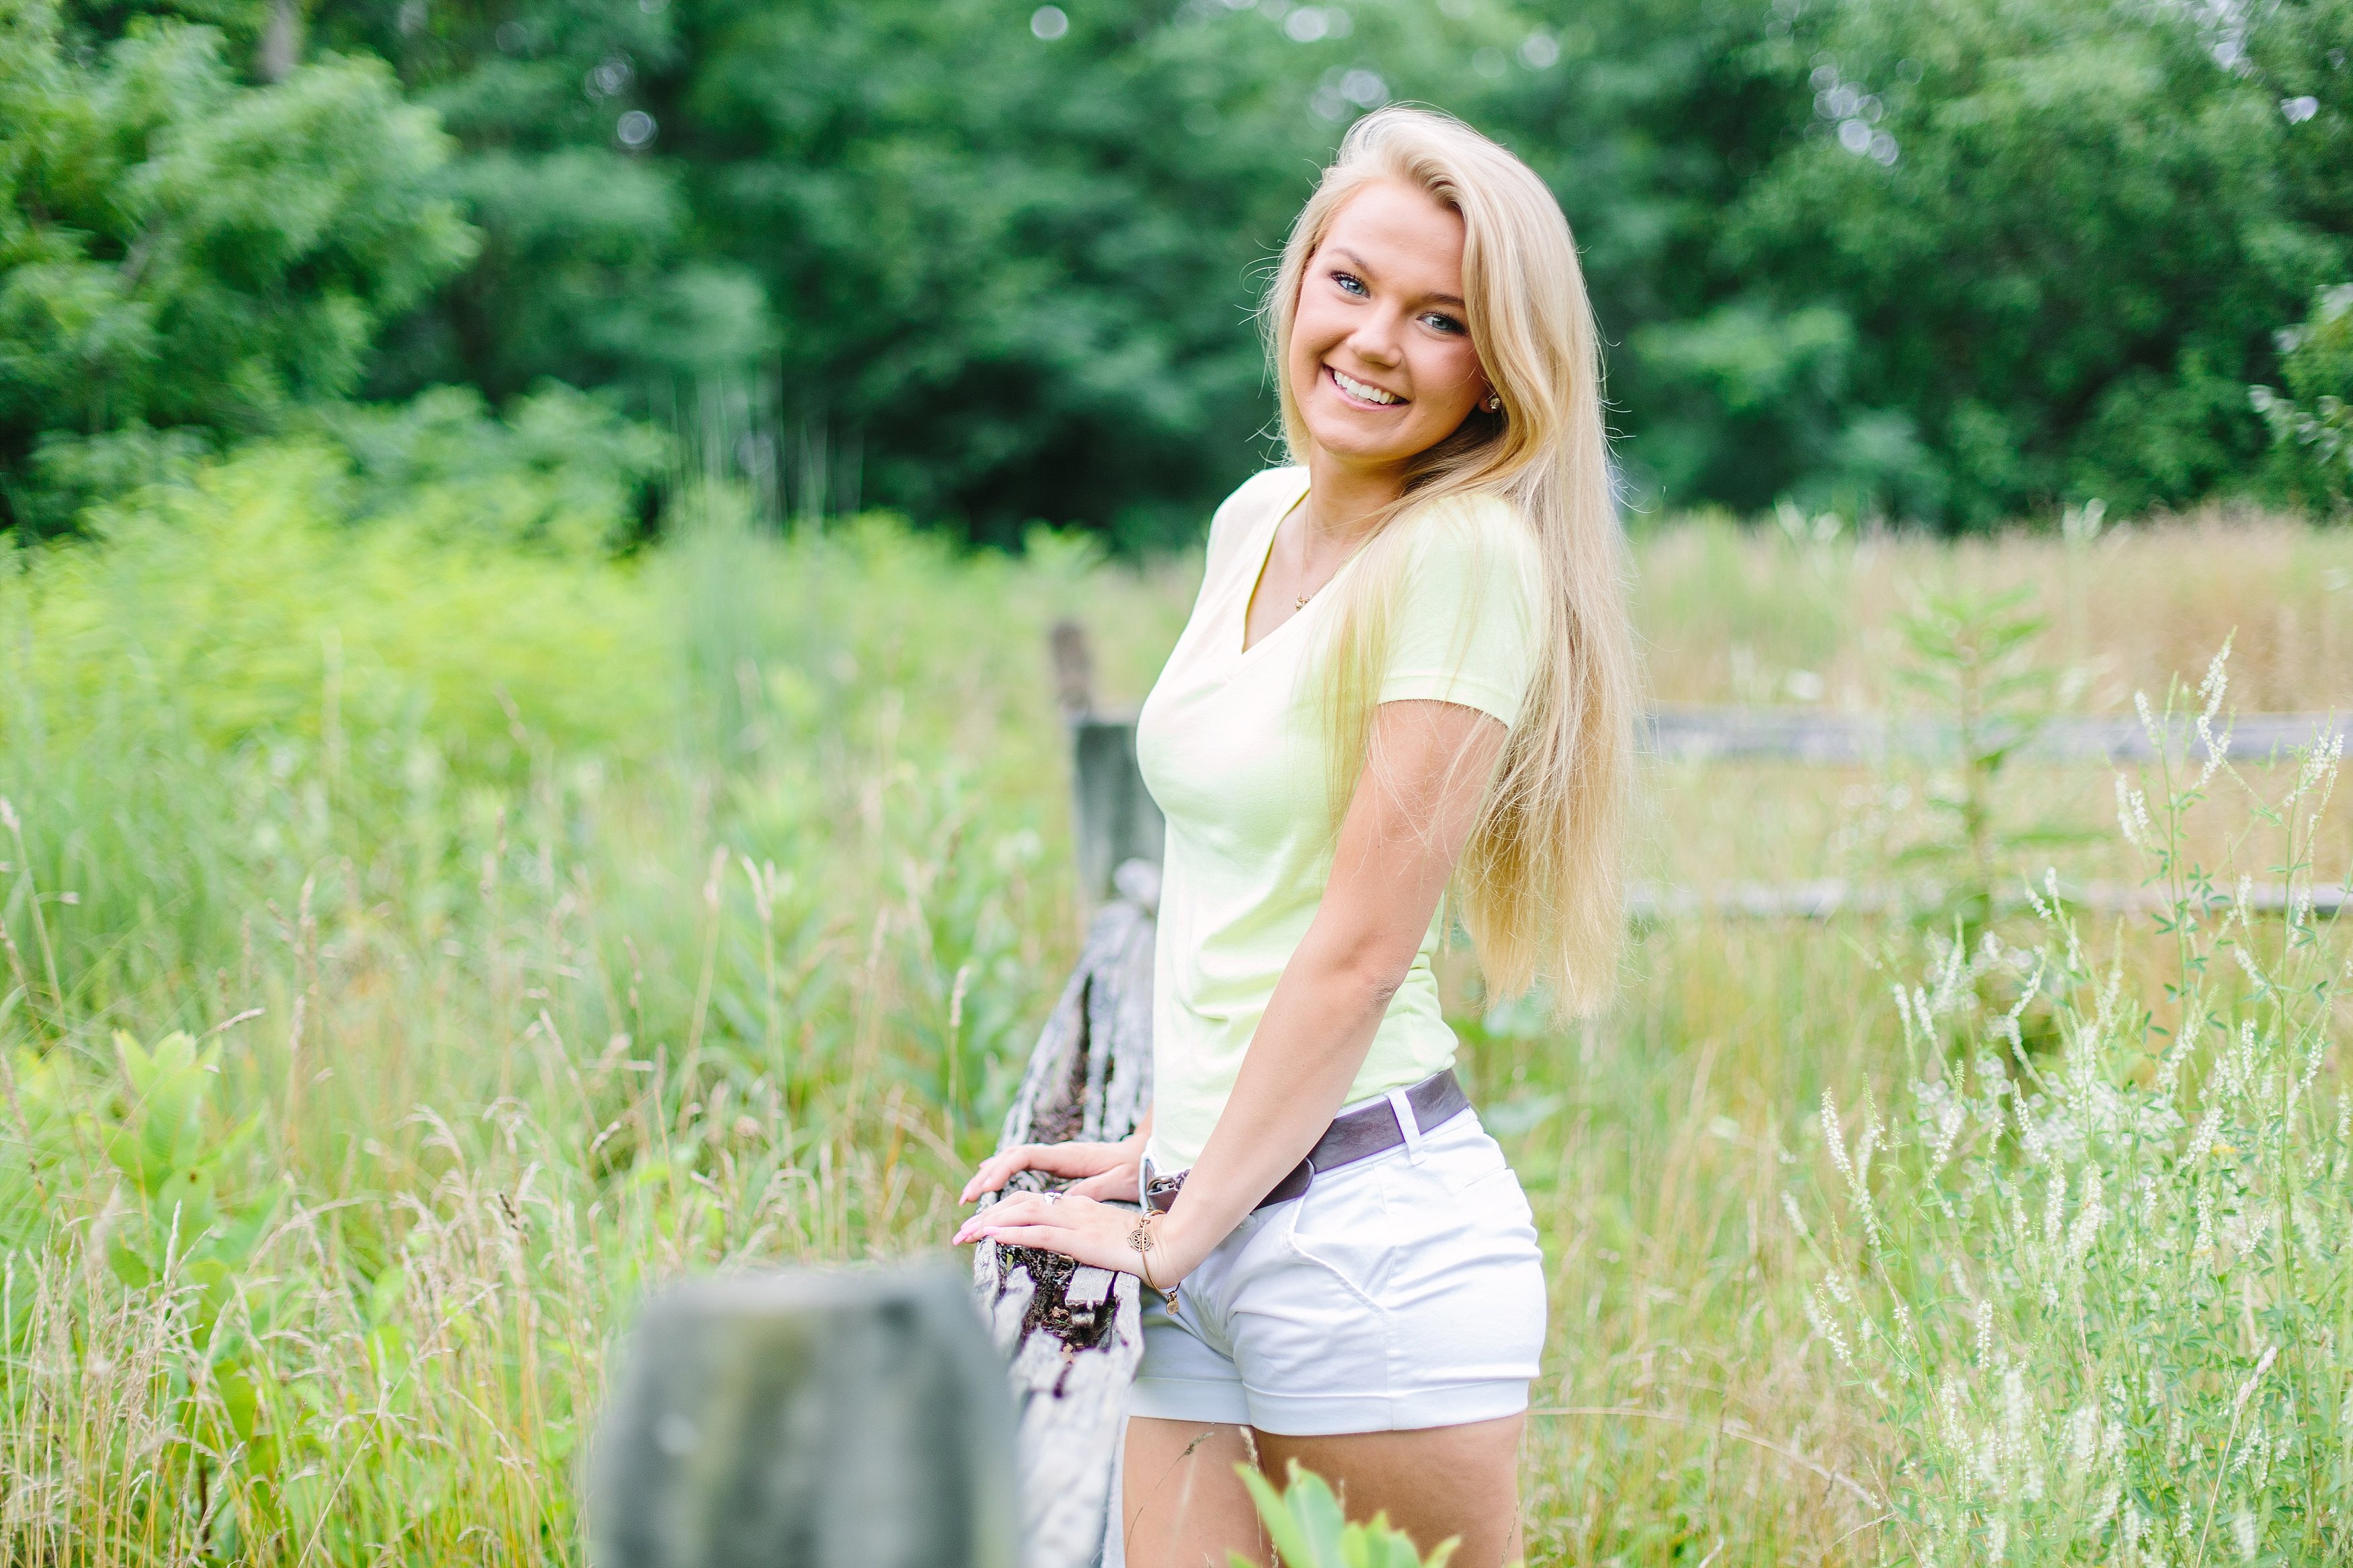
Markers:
(594, 270)
(1016, 258)
(2058, 236)
(988, 262)
(181, 247)
(2312, 421)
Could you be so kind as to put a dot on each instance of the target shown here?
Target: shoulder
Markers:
(1480, 519)
(1468, 614)
(1477, 543)
(1255, 501)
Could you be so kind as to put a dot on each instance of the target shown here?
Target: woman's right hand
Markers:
(1105, 1171)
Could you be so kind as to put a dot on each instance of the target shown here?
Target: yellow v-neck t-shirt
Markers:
(1233, 747)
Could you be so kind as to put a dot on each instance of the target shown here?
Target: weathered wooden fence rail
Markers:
(1825, 898)
(1809, 735)
(1073, 1334)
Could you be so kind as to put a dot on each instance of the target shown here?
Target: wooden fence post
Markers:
(1115, 819)
(851, 1419)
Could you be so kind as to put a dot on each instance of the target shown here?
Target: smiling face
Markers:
(1380, 359)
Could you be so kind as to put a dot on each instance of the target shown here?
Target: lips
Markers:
(1362, 394)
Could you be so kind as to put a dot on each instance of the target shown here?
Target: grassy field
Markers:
(418, 950)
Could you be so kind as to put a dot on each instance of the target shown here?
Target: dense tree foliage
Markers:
(182, 248)
(989, 262)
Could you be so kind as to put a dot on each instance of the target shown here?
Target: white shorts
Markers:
(1403, 1291)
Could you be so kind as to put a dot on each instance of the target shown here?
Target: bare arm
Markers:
(1398, 846)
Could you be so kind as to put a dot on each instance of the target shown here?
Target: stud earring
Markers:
(1495, 404)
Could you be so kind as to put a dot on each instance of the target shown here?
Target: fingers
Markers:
(1053, 1159)
(996, 1171)
(1021, 1208)
(1114, 1184)
(1044, 1237)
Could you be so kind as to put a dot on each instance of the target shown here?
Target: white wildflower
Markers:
(2083, 1434)
(1826, 1325)
(2247, 1389)
(2218, 678)
(2210, 1127)
(2132, 815)
(2089, 1217)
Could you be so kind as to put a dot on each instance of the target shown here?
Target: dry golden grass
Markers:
(1731, 615)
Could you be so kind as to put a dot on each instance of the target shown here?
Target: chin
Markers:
(1351, 443)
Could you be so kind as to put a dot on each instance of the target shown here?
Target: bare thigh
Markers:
(1459, 1481)
(1186, 1508)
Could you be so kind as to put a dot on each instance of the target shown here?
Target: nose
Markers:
(1380, 338)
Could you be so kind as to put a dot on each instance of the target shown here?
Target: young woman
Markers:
(1409, 666)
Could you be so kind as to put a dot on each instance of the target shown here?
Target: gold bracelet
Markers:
(1142, 1240)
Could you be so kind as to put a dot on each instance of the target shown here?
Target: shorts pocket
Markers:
(1459, 1156)
(1345, 1225)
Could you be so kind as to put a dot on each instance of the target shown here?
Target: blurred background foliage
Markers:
(986, 262)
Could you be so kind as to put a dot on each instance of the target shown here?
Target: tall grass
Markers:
(549, 928)
(417, 949)
(1803, 611)
(2095, 1296)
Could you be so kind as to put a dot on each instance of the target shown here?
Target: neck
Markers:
(1344, 497)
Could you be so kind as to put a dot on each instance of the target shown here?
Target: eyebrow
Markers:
(1362, 266)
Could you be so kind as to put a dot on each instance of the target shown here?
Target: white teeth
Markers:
(1354, 388)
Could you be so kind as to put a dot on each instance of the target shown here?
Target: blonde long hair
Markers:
(1542, 882)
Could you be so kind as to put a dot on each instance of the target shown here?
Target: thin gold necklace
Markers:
(1300, 603)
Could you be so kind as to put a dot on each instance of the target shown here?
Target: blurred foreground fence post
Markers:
(864, 1419)
(848, 1419)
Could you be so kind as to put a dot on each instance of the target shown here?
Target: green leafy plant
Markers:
(163, 1133)
(1972, 660)
(1310, 1530)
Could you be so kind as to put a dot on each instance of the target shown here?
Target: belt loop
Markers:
(1407, 1123)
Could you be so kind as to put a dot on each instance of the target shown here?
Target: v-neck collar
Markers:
(1258, 577)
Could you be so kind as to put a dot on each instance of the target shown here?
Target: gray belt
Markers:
(1368, 1130)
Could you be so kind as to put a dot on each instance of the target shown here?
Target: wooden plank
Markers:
(1074, 1334)
(1117, 819)
(807, 1420)
(1811, 735)
(1823, 899)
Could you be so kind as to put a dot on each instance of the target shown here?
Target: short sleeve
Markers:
(1466, 626)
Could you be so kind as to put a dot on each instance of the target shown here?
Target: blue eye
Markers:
(1444, 323)
(1349, 281)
